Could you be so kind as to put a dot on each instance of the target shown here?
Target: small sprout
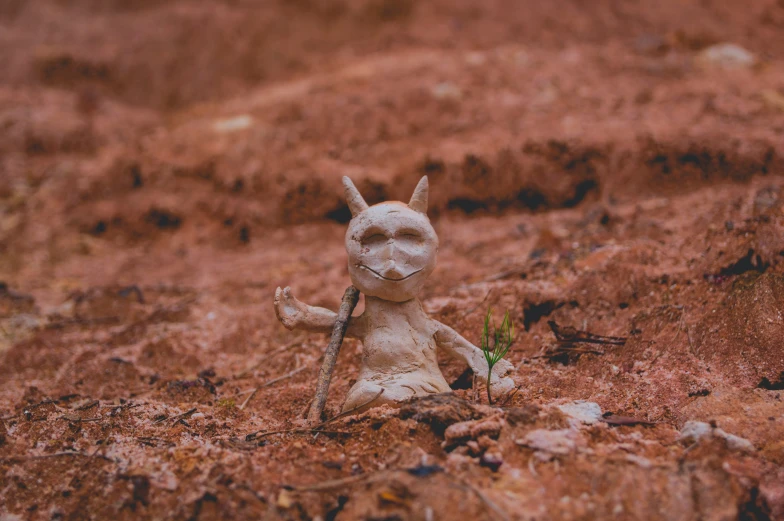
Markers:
(495, 348)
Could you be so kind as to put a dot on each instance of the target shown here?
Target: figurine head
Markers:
(391, 246)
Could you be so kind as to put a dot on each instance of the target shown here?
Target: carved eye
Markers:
(410, 235)
(374, 239)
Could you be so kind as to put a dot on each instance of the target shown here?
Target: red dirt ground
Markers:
(165, 165)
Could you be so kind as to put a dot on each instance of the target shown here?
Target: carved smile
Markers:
(377, 274)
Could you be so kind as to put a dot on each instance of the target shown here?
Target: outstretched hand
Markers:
(289, 310)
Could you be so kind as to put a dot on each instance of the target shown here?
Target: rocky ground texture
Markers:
(609, 167)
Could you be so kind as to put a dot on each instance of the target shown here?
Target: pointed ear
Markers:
(418, 201)
(354, 199)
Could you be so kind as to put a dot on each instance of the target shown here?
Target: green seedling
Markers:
(496, 346)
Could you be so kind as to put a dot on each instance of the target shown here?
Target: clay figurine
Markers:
(392, 250)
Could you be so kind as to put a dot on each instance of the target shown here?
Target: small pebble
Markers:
(727, 56)
(582, 411)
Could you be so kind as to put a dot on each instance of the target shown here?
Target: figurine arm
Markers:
(297, 315)
(458, 347)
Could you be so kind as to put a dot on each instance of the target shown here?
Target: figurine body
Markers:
(392, 250)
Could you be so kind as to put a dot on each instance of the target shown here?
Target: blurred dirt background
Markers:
(613, 166)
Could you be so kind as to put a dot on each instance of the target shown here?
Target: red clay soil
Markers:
(165, 165)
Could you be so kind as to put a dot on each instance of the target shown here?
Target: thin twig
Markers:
(45, 456)
(332, 483)
(303, 413)
(570, 335)
(341, 482)
(520, 271)
(88, 405)
(308, 430)
(81, 321)
(140, 392)
(688, 336)
(315, 428)
(480, 303)
(117, 408)
(77, 419)
(40, 404)
(267, 357)
(55, 455)
(482, 497)
(178, 417)
(490, 504)
(153, 441)
(687, 450)
(262, 434)
(245, 402)
(560, 352)
(512, 395)
(183, 415)
(283, 377)
(347, 305)
(352, 410)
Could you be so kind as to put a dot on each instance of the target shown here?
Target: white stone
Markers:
(551, 442)
(736, 442)
(695, 431)
(582, 411)
(639, 460)
(234, 124)
(446, 90)
(392, 250)
(727, 56)
(475, 58)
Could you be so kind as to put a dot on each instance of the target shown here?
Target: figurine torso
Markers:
(399, 353)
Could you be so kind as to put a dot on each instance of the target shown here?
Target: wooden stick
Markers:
(350, 299)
